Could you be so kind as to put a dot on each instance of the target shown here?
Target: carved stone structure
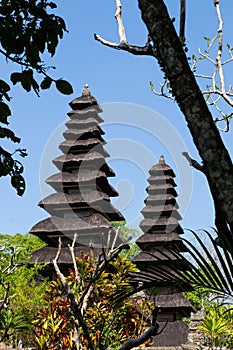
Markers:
(196, 337)
(81, 203)
(160, 240)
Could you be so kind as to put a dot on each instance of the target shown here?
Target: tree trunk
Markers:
(217, 163)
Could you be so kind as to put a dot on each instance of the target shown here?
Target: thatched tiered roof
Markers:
(160, 225)
(81, 203)
(162, 245)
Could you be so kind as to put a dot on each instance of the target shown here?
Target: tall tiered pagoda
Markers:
(81, 203)
(160, 240)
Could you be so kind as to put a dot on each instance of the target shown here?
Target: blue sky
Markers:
(136, 121)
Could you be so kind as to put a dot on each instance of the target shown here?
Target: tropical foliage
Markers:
(20, 292)
(108, 325)
(218, 325)
(210, 273)
(130, 235)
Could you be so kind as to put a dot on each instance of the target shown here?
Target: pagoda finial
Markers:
(161, 160)
(86, 91)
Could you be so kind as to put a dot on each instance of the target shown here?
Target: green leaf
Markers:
(8, 313)
(214, 38)
(46, 83)
(64, 87)
(5, 112)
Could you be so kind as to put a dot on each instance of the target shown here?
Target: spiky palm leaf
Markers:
(213, 272)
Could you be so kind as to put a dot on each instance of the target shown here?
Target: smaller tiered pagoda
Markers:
(160, 240)
(81, 203)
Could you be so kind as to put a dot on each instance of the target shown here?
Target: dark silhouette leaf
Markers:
(46, 83)
(18, 182)
(5, 112)
(16, 77)
(64, 87)
(4, 132)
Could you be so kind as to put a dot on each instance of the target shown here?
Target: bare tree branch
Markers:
(121, 29)
(124, 45)
(218, 73)
(162, 93)
(193, 162)
(78, 307)
(135, 50)
(100, 268)
(71, 249)
(220, 41)
(79, 319)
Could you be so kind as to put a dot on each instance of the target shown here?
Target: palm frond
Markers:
(211, 271)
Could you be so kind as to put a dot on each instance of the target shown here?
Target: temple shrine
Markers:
(161, 246)
(81, 203)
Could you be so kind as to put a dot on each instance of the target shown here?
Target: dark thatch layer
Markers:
(154, 213)
(158, 257)
(166, 225)
(63, 198)
(79, 157)
(161, 189)
(159, 169)
(83, 102)
(48, 254)
(58, 203)
(160, 239)
(91, 160)
(79, 124)
(75, 134)
(161, 179)
(85, 129)
(160, 186)
(175, 300)
(58, 225)
(74, 178)
(93, 229)
(165, 209)
(160, 198)
(92, 179)
(85, 114)
(159, 274)
(161, 221)
(75, 146)
(159, 208)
